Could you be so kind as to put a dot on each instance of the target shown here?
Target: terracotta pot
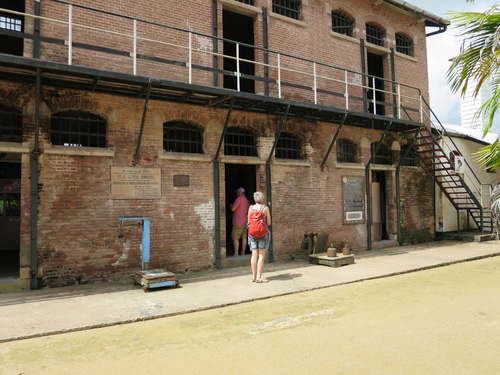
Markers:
(346, 251)
(331, 252)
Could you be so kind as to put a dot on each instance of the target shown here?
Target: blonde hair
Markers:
(258, 197)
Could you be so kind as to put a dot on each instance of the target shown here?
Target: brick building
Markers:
(113, 109)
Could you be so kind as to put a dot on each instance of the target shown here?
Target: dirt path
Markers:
(441, 321)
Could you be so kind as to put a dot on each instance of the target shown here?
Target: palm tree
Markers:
(477, 63)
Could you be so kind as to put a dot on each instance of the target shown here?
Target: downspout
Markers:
(265, 30)
(34, 164)
(215, 41)
(36, 31)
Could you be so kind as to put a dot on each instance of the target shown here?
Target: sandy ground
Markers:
(440, 321)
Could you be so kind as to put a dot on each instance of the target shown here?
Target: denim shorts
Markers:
(259, 243)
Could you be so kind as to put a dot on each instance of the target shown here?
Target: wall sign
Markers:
(353, 189)
(135, 183)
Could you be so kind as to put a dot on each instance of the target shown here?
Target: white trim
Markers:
(376, 47)
(181, 156)
(15, 147)
(79, 151)
(241, 160)
(350, 165)
(344, 37)
(408, 57)
(292, 162)
(241, 8)
(383, 167)
(287, 19)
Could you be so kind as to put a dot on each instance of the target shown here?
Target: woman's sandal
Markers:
(260, 281)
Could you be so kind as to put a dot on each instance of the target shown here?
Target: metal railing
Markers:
(283, 75)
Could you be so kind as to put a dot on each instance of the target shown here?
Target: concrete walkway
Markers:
(50, 311)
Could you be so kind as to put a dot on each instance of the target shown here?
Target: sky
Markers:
(440, 49)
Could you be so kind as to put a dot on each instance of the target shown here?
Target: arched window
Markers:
(347, 151)
(342, 23)
(375, 34)
(408, 155)
(287, 8)
(384, 154)
(179, 136)
(239, 142)
(11, 124)
(76, 129)
(289, 146)
(404, 44)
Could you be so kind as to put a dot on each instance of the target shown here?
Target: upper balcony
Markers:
(92, 49)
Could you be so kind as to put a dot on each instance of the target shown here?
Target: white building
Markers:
(470, 105)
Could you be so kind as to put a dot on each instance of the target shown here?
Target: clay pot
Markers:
(346, 251)
(331, 252)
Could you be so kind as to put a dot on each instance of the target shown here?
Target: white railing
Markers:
(282, 80)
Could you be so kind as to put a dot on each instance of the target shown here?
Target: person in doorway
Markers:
(240, 210)
(259, 220)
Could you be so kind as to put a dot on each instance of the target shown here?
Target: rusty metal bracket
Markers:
(224, 129)
(332, 143)
(143, 120)
(278, 134)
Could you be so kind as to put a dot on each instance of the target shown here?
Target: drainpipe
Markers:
(36, 43)
(34, 158)
(442, 29)
(215, 42)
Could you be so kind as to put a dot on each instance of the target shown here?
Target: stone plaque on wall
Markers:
(181, 180)
(135, 183)
(353, 190)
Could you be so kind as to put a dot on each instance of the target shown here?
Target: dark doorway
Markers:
(240, 29)
(10, 208)
(379, 205)
(376, 68)
(9, 24)
(237, 175)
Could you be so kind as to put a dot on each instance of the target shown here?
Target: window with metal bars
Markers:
(78, 129)
(10, 23)
(375, 34)
(408, 155)
(11, 125)
(404, 44)
(342, 23)
(347, 151)
(249, 2)
(384, 154)
(287, 8)
(241, 142)
(179, 136)
(289, 146)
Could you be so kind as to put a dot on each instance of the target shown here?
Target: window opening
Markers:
(12, 45)
(239, 28)
(347, 151)
(287, 8)
(342, 23)
(289, 146)
(375, 34)
(239, 142)
(180, 136)
(384, 154)
(404, 44)
(376, 69)
(78, 129)
(11, 125)
(411, 155)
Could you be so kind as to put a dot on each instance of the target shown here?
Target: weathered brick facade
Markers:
(79, 235)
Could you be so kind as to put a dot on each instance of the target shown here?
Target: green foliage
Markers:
(489, 156)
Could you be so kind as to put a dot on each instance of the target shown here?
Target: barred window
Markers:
(404, 44)
(384, 154)
(10, 23)
(347, 151)
(239, 142)
(375, 34)
(78, 129)
(249, 2)
(179, 136)
(289, 146)
(408, 155)
(342, 23)
(287, 8)
(11, 125)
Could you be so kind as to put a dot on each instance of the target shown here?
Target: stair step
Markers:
(427, 144)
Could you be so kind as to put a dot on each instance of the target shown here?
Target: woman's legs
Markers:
(253, 263)
(260, 262)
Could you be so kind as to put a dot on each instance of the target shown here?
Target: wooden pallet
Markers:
(152, 279)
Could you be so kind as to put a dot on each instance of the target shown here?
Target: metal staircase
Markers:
(464, 190)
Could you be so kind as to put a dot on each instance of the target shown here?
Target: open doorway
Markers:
(379, 206)
(237, 175)
(239, 28)
(10, 209)
(376, 68)
(10, 23)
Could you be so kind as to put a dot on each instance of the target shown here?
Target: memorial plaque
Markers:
(353, 189)
(135, 183)
(181, 180)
